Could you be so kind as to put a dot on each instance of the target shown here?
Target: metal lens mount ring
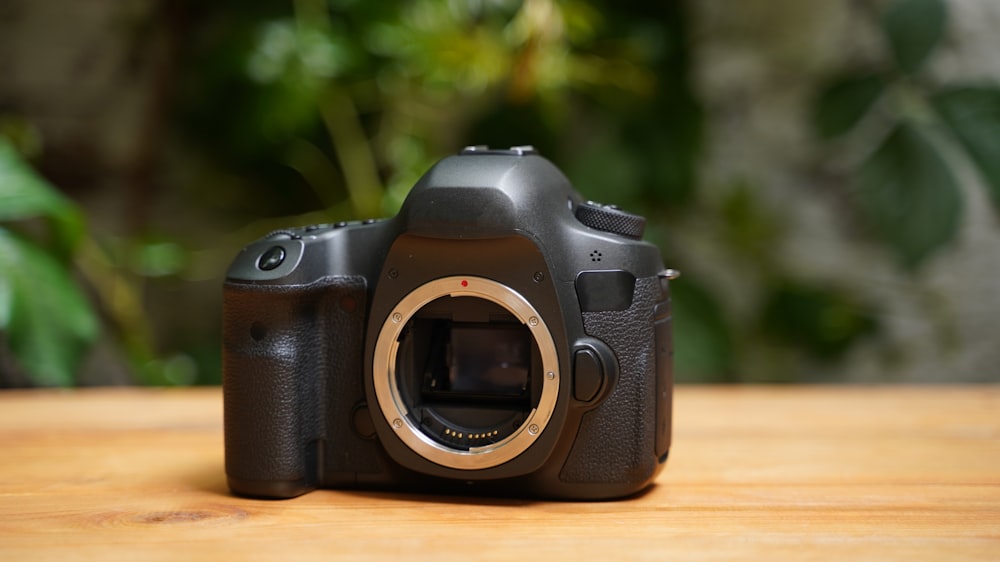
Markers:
(387, 389)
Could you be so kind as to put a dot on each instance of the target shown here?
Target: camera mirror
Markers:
(477, 362)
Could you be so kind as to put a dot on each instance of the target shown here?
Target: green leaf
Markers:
(844, 102)
(48, 322)
(24, 194)
(910, 195)
(973, 115)
(914, 28)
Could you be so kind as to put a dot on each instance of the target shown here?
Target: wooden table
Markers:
(770, 473)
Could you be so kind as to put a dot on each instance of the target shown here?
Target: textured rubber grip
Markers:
(279, 351)
(616, 441)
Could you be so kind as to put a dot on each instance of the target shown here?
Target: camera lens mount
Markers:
(399, 414)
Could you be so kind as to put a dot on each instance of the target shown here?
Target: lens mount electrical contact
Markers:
(393, 405)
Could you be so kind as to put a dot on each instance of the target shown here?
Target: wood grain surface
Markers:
(775, 473)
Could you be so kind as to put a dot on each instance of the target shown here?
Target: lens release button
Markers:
(272, 258)
(588, 375)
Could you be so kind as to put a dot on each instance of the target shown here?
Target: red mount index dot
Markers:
(465, 283)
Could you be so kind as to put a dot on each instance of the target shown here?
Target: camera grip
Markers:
(278, 353)
(616, 441)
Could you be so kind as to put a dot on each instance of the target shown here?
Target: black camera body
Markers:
(499, 335)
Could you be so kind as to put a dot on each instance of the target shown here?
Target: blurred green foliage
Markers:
(325, 110)
(51, 272)
(47, 321)
(907, 185)
(345, 104)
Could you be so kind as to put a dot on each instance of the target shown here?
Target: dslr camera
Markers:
(499, 335)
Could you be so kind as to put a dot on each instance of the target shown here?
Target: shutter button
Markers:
(271, 259)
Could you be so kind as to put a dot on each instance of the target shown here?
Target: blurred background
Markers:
(826, 175)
